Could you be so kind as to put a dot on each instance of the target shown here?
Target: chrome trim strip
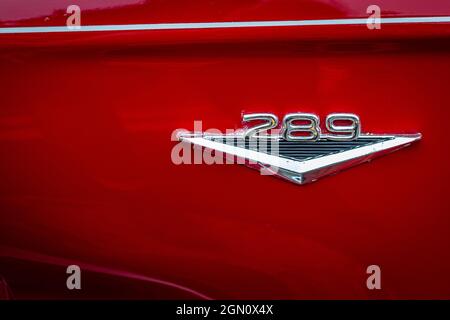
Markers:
(215, 25)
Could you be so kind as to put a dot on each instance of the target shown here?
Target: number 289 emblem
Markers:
(309, 129)
(297, 149)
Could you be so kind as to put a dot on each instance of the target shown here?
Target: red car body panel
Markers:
(86, 172)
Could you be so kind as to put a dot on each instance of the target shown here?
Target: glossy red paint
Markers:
(87, 178)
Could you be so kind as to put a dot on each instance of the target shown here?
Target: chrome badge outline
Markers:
(341, 147)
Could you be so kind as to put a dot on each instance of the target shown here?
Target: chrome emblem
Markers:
(298, 150)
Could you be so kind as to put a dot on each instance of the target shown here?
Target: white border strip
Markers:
(215, 25)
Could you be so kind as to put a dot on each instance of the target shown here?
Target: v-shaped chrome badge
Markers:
(299, 151)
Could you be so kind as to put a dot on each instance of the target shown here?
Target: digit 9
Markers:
(343, 132)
